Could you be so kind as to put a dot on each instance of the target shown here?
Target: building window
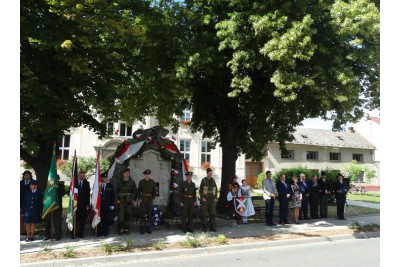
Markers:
(205, 152)
(185, 149)
(187, 115)
(124, 129)
(110, 128)
(358, 157)
(334, 156)
(288, 155)
(312, 155)
(63, 147)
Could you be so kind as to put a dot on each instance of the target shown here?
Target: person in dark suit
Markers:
(83, 188)
(340, 189)
(305, 193)
(32, 209)
(324, 192)
(23, 187)
(314, 197)
(56, 214)
(283, 198)
(107, 204)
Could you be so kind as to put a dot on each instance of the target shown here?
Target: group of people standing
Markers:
(303, 194)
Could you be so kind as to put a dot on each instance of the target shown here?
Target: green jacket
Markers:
(208, 188)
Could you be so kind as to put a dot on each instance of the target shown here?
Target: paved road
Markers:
(364, 204)
(343, 253)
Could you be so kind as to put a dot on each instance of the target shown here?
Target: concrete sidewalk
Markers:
(166, 235)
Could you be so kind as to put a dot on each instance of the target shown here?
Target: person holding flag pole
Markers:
(96, 197)
(73, 199)
(51, 200)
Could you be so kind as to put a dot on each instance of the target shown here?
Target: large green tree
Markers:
(255, 69)
(77, 60)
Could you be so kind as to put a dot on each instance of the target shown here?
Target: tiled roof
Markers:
(377, 120)
(318, 137)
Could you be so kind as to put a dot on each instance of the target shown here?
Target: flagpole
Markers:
(74, 224)
(51, 227)
(95, 231)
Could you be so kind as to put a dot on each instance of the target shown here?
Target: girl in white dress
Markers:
(245, 193)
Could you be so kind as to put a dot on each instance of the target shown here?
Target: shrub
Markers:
(110, 248)
(159, 245)
(291, 172)
(46, 248)
(194, 241)
(69, 252)
(220, 239)
(355, 226)
(129, 243)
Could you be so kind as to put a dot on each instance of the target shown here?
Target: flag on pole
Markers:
(185, 169)
(96, 197)
(127, 151)
(50, 200)
(73, 198)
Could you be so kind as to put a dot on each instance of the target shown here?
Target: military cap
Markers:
(189, 173)
(209, 170)
(104, 174)
(147, 172)
(125, 170)
(25, 172)
(33, 182)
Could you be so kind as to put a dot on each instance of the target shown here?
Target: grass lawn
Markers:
(366, 197)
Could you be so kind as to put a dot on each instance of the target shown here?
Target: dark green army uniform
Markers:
(187, 195)
(146, 192)
(208, 190)
(125, 192)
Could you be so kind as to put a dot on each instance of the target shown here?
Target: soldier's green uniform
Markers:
(146, 192)
(187, 195)
(208, 190)
(125, 192)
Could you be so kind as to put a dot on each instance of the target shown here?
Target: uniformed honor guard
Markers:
(146, 193)
(187, 194)
(125, 195)
(208, 195)
(107, 204)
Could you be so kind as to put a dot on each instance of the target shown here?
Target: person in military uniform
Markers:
(187, 195)
(107, 204)
(125, 195)
(146, 193)
(208, 195)
(56, 214)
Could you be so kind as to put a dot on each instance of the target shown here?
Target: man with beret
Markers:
(146, 193)
(125, 195)
(107, 203)
(23, 187)
(56, 214)
(187, 196)
(208, 195)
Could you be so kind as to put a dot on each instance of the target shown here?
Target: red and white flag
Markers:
(96, 197)
(127, 151)
(185, 169)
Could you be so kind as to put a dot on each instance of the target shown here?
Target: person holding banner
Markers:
(55, 215)
(244, 205)
(83, 191)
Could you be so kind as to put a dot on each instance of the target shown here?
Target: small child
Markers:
(32, 209)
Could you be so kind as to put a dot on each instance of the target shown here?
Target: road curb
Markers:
(195, 251)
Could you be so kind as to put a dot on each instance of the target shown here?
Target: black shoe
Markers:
(142, 230)
(126, 231)
(204, 228)
(148, 229)
(338, 218)
(318, 218)
(287, 222)
(31, 239)
(212, 228)
(27, 239)
(46, 238)
(343, 218)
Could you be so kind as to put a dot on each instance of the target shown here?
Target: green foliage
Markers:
(159, 245)
(86, 164)
(291, 172)
(110, 248)
(220, 239)
(364, 228)
(354, 170)
(45, 248)
(194, 241)
(68, 252)
(129, 243)
(355, 225)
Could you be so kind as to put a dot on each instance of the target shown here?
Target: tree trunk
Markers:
(40, 163)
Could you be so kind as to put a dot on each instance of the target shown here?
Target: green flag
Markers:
(50, 200)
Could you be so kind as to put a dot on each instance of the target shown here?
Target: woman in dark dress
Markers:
(32, 209)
